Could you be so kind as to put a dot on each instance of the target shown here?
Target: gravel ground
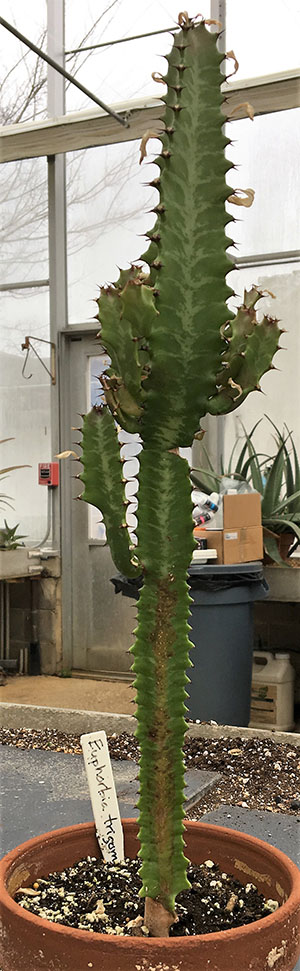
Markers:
(256, 773)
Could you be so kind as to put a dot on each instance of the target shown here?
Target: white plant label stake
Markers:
(109, 830)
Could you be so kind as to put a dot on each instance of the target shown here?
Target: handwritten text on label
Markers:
(103, 795)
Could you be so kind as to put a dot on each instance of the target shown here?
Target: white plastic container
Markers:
(202, 556)
(272, 693)
(216, 521)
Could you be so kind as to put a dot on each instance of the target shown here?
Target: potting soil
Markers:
(104, 898)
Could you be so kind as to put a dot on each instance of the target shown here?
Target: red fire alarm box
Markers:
(49, 473)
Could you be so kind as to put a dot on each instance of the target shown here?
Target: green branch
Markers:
(104, 484)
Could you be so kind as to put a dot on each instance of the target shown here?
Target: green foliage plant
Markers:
(3, 474)
(176, 354)
(276, 477)
(8, 537)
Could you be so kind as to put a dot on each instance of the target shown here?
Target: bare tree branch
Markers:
(94, 206)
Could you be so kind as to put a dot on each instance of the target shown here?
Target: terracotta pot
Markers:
(33, 944)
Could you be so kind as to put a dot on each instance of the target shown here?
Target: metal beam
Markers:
(218, 12)
(122, 40)
(81, 129)
(59, 315)
(29, 285)
(87, 129)
(57, 225)
(267, 259)
(274, 92)
(60, 69)
(215, 431)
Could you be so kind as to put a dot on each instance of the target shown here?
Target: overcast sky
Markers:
(265, 38)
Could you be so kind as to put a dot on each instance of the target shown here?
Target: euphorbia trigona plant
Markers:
(176, 354)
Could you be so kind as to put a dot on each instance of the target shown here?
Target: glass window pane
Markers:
(264, 36)
(24, 220)
(266, 152)
(24, 312)
(96, 367)
(25, 410)
(124, 70)
(108, 211)
(281, 398)
(23, 73)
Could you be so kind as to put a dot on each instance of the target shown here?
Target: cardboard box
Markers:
(243, 544)
(240, 545)
(214, 538)
(240, 511)
(215, 542)
(241, 539)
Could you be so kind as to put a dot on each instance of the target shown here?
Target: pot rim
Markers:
(279, 916)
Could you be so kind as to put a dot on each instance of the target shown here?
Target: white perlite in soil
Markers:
(104, 897)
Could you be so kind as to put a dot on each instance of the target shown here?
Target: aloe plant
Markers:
(3, 474)
(176, 353)
(9, 539)
(276, 477)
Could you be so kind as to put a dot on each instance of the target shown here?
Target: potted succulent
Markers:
(9, 538)
(174, 357)
(13, 555)
(276, 477)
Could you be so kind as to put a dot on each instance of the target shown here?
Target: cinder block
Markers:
(52, 567)
(48, 657)
(47, 593)
(46, 625)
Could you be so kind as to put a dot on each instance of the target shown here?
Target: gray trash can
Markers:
(222, 632)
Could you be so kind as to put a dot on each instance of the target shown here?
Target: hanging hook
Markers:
(27, 346)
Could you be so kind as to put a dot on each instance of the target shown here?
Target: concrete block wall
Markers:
(276, 623)
(47, 602)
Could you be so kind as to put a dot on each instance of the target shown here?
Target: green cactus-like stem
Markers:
(126, 311)
(188, 255)
(176, 354)
(160, 662)
(250, 350)
(104, 485)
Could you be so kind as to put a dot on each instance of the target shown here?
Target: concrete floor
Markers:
(79, 693)
(48, 790)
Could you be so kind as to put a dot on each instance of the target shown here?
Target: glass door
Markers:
(102, 622)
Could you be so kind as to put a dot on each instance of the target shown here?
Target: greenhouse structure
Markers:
(79, 94)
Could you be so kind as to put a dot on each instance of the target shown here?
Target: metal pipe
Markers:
(40, 545)
(266, 259)
(123, 40)
(7, 620)
(218, 12)
(2, 639)
(23, 286)
(61, 70)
